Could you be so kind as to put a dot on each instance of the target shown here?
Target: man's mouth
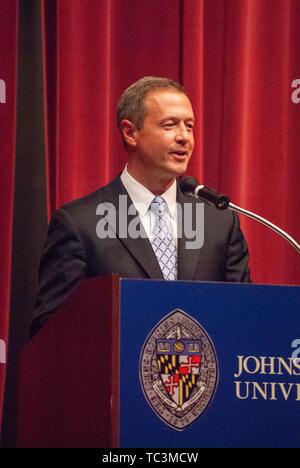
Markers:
(179, 153)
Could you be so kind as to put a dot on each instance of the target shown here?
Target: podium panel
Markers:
(143, 363)
(254, 331)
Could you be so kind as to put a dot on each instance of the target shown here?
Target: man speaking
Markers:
(86, 237)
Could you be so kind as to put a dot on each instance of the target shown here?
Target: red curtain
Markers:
(93, 50)
(8, 54)
(237, 58)
(251, 125)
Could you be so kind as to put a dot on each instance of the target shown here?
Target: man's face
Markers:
(165, 142)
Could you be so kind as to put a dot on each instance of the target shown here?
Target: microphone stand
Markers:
(267, 223)
(190, 186)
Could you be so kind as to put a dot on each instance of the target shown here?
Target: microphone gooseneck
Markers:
(190, 186)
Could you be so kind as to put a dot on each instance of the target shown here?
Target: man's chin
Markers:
(178, 169)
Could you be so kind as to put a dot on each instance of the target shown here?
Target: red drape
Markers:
(93, 50)
(8, 54)
(251, 125)
(236, 57)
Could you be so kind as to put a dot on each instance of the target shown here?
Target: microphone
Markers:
(190, 186)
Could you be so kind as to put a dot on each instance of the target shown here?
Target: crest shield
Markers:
(178, 369)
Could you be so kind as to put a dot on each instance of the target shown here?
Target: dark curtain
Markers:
(8, 72)
(237, 58)
(29, 213)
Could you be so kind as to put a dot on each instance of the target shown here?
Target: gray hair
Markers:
(131, 105)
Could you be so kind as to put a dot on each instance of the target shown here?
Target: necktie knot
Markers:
(158, 206)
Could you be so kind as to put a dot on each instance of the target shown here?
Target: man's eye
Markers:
(169, 124)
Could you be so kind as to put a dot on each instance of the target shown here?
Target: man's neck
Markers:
(155, 185)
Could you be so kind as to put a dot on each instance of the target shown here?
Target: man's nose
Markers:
(182, 134)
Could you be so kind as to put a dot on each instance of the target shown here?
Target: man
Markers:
(156, 121)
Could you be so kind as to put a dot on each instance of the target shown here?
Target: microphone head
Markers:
(188, 185)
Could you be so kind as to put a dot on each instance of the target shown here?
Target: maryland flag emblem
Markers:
(179, 364)
(178, 370)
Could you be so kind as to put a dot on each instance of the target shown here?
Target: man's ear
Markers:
(129, 133)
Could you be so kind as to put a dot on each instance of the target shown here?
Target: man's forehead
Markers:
(164, 99)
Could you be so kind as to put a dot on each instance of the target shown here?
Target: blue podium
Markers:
(254, 332)
(142, 363)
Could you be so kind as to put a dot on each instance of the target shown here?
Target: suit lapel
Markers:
(187, 258)
(140, 248)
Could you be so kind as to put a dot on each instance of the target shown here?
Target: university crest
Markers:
(178, 369)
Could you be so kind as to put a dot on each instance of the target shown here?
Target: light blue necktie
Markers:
(162, 241)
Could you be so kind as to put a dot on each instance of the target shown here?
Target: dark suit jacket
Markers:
(73, 251)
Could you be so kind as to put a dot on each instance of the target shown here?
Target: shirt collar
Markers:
(142, 197)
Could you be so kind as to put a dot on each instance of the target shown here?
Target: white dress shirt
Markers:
(142, 199)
